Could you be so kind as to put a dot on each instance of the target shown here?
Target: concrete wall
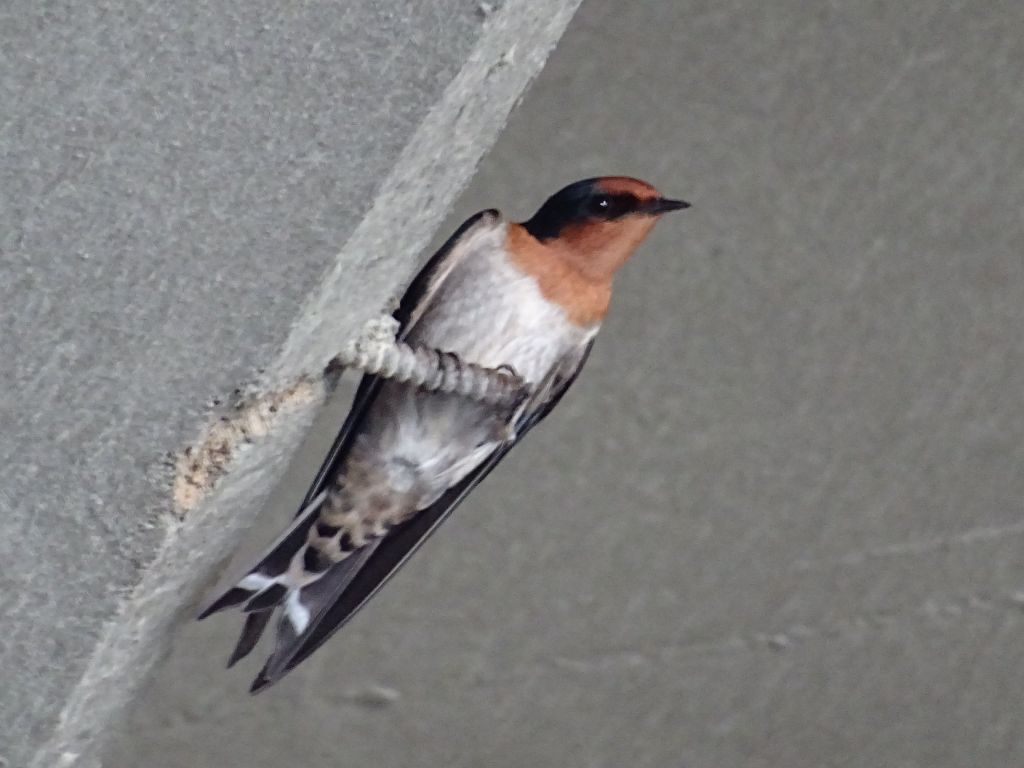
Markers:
(779, 522)
(177, 182)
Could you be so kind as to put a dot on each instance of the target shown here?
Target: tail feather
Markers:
(303, 609)
(268, 598)
(273, 582)
(272, 567)
(231, 598)
(255, 624)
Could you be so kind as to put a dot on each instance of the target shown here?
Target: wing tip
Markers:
(274, 669)
(261, 682)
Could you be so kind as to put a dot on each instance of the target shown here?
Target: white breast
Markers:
(490, 313)
(487, 312)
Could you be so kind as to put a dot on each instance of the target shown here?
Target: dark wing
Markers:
(415, 301)
(392, 552)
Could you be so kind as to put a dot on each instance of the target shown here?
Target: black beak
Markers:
(665, 205)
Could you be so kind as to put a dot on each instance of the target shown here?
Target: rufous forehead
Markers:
(619, 185)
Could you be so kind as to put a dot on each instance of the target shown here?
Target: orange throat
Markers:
(562, 275)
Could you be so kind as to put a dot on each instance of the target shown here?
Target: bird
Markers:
(528, 297)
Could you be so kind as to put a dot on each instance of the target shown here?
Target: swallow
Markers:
(527, 296)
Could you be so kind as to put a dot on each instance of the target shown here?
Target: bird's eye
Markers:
(602, 205)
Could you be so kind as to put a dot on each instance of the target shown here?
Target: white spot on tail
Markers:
(296, 612)
(256, 581)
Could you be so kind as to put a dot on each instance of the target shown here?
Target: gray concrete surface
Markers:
(779, 522)
(177, 181)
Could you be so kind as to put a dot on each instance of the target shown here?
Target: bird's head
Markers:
(598, 223)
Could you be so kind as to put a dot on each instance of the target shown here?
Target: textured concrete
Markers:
(780, 521)
(177, 181)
